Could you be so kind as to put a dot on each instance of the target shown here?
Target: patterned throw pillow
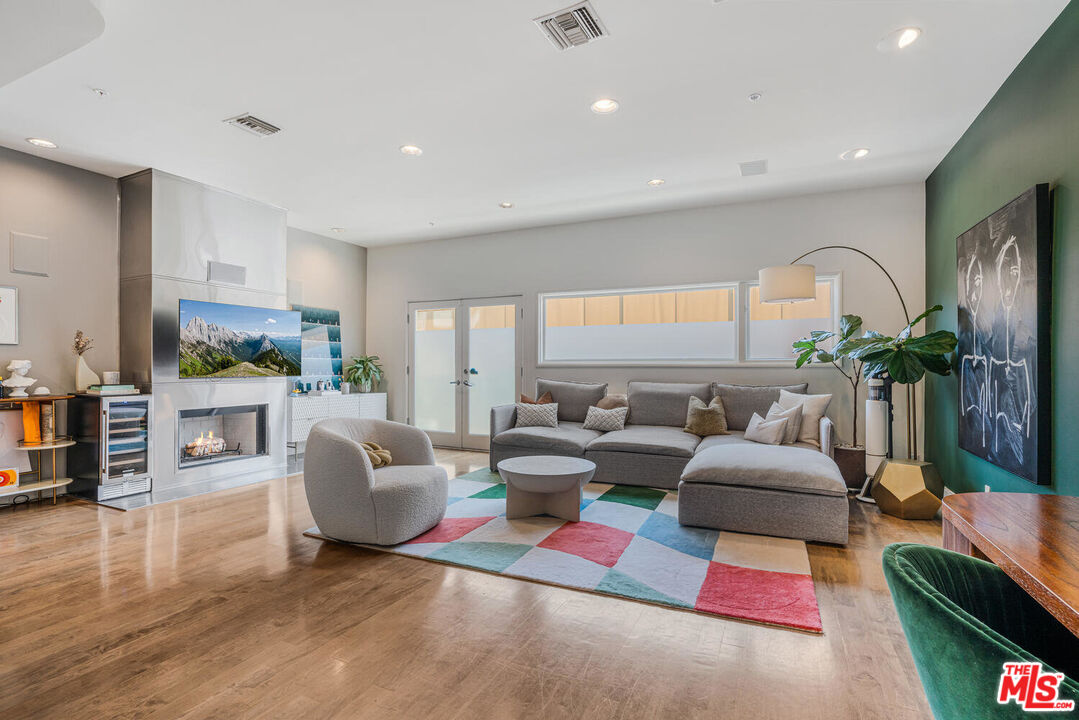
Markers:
(704, 420)
(766, 432)
(543, 399)
(606, 420)
(531, 415)
(793, 417)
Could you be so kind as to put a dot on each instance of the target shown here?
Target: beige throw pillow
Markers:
(378, 455)
(610, 402)
(766, 432)
(793, 418)
(704, 420)
(813, 409)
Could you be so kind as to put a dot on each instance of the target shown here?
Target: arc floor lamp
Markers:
(797, 282)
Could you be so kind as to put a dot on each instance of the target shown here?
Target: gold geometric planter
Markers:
(908, 489)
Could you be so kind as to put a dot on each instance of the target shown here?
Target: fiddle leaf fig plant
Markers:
(365, 371)
(903, 358)
(809, 350)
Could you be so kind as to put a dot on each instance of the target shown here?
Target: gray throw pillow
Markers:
(606, 420)
(573, 397)
(705, 420)
(529, 415)
(741, 401)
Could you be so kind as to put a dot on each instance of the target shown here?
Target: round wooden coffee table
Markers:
(545, 484)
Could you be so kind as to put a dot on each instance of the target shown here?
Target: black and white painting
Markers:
(1003, 353)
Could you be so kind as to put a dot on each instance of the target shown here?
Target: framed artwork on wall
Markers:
(9, 316)
(320, 333)
(1004, 273)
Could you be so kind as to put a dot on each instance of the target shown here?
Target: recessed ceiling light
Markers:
(855, 154)
(656, 182)
(755, 97)
(413, 150)
(899, 39)
(505, 205)
(337, 229)
(604, 106)
(42, 143)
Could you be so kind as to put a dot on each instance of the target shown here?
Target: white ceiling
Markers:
(502, 116)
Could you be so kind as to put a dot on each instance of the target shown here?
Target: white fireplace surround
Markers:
(170, 230)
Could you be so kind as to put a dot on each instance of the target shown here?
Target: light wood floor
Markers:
(218, 607)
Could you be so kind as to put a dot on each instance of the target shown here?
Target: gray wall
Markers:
(719, 243)
(77, 211)
(328, 273)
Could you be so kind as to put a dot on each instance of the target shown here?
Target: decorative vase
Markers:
(365, 386)
(346, 388)
(84, 376)
(851, 462)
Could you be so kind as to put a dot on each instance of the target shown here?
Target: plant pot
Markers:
(365, 386)
(851, 462)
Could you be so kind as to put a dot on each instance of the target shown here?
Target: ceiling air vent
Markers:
(753, 167)
(576, 25)
(253, 125)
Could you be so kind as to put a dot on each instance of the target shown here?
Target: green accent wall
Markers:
(1027, 134)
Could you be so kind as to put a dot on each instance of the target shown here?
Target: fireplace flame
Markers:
(204, 445)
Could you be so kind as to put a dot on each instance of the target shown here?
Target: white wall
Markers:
(77, 211)
(719, 243)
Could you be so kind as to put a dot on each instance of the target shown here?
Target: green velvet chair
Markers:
(964, 618)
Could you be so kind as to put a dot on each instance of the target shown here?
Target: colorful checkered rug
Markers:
(628, 544)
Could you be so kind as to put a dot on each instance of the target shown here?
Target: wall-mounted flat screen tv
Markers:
(235, 341)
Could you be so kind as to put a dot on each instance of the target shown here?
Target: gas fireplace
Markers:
(209, 435)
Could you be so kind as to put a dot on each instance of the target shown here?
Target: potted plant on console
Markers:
(364, 372)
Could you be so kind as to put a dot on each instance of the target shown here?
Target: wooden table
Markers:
(1033, 538)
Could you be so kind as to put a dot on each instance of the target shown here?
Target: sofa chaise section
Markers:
(768, 490)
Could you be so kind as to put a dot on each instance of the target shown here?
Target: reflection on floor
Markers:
(218, 606)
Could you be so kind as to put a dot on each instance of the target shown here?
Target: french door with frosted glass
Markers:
(464, 357)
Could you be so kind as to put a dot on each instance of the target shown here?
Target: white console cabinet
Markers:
(305, 410)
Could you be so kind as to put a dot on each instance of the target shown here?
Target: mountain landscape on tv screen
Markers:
(209, 350)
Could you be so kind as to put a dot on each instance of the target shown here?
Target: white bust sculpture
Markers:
(18, 379)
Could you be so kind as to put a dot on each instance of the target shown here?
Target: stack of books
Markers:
(112, 390)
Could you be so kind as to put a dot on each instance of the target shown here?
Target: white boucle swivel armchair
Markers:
(354, 502)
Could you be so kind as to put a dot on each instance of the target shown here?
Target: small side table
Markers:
(42, 483)
(545, 484)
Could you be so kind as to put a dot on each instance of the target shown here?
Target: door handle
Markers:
(455, 382)
(467, 383)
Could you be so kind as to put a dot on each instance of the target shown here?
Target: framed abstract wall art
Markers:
(1004, 273)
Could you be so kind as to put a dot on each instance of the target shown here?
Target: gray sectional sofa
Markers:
(725, 482)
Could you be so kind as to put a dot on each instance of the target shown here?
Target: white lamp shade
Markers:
(788, 283)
